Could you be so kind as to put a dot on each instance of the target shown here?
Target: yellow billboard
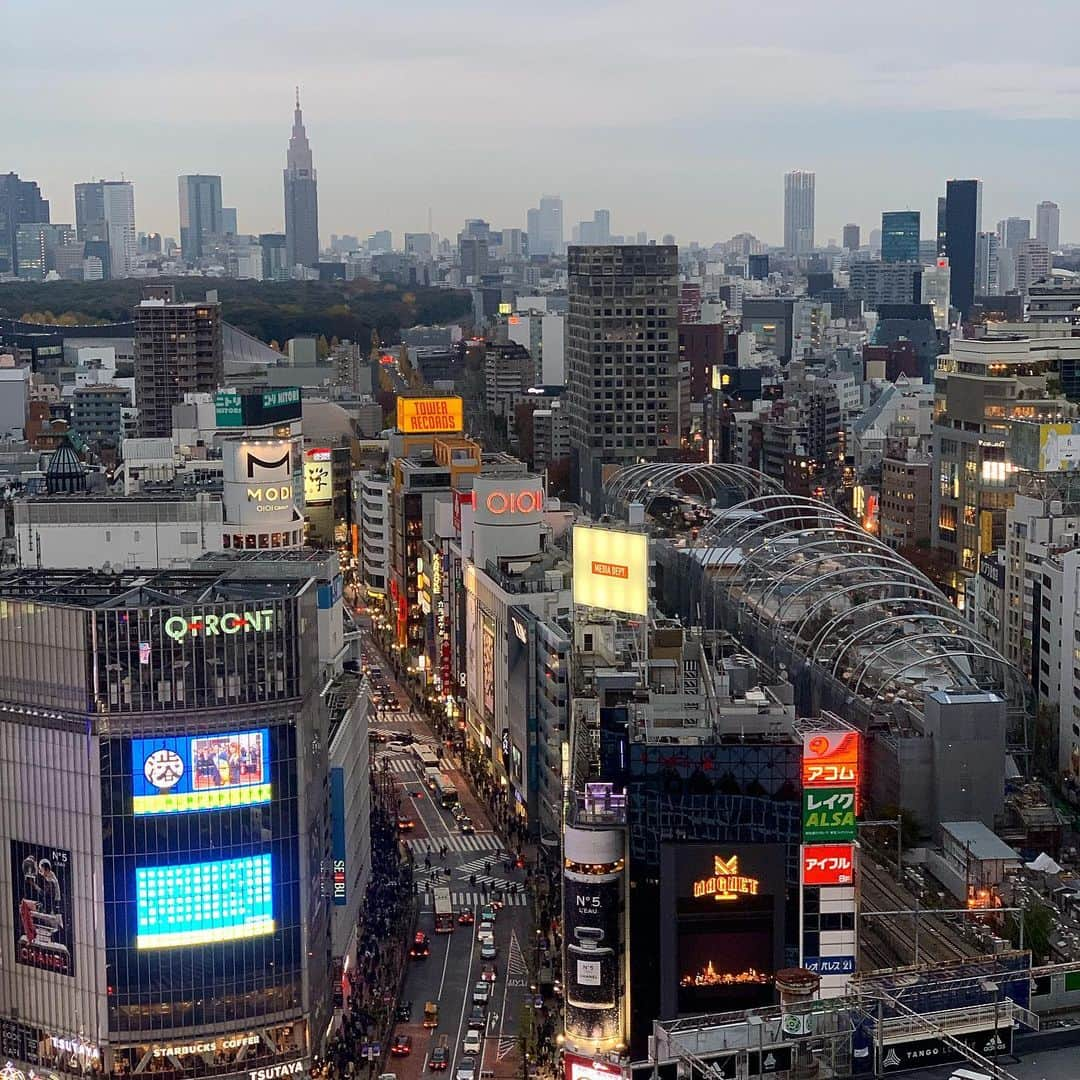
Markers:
(611, 570)
(429, 415)
(1059, 447)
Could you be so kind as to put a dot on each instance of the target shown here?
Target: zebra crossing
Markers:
(479, 841)
(403, 766)
(472, 899)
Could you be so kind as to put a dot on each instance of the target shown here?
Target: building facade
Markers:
(963, 222)
(1048, 224)
(900, 236)
(20, 204)
(799, 212)
(622, 358)
(200, 214)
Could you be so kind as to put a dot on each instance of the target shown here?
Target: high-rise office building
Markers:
(1048, 224)
(20, 204)
(851, 237)
(798, 212)
(544, 225)
(963, 219)
(228, 220)
(105, 213)
(36, 246)
(1032, 263)
(301, 197)
(900, 236)
(622, 358)
(942, 226)
(986, 264)
(200, 214)
(1013, 231)
(597, 231)
(177, 351)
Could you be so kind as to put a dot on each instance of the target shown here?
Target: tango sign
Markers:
(726, 882)
(232, 622)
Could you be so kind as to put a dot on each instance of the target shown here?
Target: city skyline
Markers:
(375, 144)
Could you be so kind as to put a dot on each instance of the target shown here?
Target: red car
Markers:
(402, 1046)
(420, 947)
(466, 918)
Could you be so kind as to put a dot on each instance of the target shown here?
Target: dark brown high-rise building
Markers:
(177, 351)
(622, 358)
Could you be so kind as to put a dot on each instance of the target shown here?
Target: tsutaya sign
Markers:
(726, 882)
(179, 627)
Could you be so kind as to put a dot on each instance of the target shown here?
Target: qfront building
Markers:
(164, 832)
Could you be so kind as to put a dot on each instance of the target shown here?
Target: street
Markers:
(477, 867)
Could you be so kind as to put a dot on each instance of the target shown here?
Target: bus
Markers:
(445, 792)
(444, 911)
(426, 755)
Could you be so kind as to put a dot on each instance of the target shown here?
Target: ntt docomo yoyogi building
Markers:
(163, 825)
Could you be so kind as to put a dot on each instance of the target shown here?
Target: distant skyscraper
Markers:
(228, 220)
(798, 212)
(900, 236)
(545, 226)
(942, 226)
(105, 212)
(1048, 224)
(597, 231)
(36, 246)
(20, 204)
(1032, 263)
(986, 264)
(851, 237)
(200, 214)
(640, 419)
(1013, 231)
(963, 218)
(301, 197)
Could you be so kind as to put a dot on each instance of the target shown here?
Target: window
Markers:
(189, 537)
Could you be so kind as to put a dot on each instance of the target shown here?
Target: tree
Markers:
(1038, 922)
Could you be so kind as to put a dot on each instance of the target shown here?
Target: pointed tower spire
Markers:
(298, 99)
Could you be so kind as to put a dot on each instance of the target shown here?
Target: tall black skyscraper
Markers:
(941, 227)
(900, 236)
(301, 197)
(20, 204)
(963, 221)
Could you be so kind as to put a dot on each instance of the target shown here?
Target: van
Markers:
(431, 1014)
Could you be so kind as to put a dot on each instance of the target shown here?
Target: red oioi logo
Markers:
(515, 502)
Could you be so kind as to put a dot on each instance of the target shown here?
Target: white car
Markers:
(466, 1069)
(471, 1043)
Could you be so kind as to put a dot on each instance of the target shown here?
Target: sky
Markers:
(679, 116)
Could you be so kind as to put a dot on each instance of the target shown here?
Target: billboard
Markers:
(318, 477)
(828, 864)
(429, 415)
(508, 502)
(487, 665)
(831, 759)
(279, 406)
(576, 1067)
(927, 1053)
(41, 900)
(611, 570)
(592, 942)
(337, 835)
(199, 903)
(175, 774)
(828, 814)
(258, 482)
(1045, 447)
(228, 409)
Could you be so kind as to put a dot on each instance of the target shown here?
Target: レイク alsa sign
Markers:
(179, 627)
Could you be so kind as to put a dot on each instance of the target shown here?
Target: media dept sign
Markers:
(611, 570)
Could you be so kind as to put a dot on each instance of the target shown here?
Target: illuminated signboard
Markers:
(726, 883)
(828, 814)
(828, 864)
(576, 1067)
(228, 409)
(831, 759)
(429, 415)
(199, 903)
(508, 502)
(179, 627)
(487, 671)
(318, 478)
(172, 775)
(42, 883)
(611, 570)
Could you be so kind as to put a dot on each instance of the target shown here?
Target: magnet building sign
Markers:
(726, 883)
(429, 415)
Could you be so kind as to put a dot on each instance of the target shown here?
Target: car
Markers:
(477, 1017)
(465, 824)
(439, 1060)
(420, 946)
(377, 736)
(481, 993)
(466, 1069)
(488, 951)
(403, 1013)
(466, 918)
(405, 737)
(405, 824)
(487, 927)
(487, 972)
(431, 1014)
(472, 1043)
(487, 913)
(402, 1046)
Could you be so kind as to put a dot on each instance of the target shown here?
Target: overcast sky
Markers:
(680, 116)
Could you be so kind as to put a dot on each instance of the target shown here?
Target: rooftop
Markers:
(981, 842)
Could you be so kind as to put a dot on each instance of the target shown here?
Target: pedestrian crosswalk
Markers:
(479, 841)
(402, 766)
(472, 899)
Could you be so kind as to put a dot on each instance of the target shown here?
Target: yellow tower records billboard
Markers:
(611, 570)
(429, 415)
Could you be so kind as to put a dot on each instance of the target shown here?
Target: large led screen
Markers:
(200, 772)
(198, 903)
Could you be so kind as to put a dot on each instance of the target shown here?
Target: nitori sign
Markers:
(179, 627)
